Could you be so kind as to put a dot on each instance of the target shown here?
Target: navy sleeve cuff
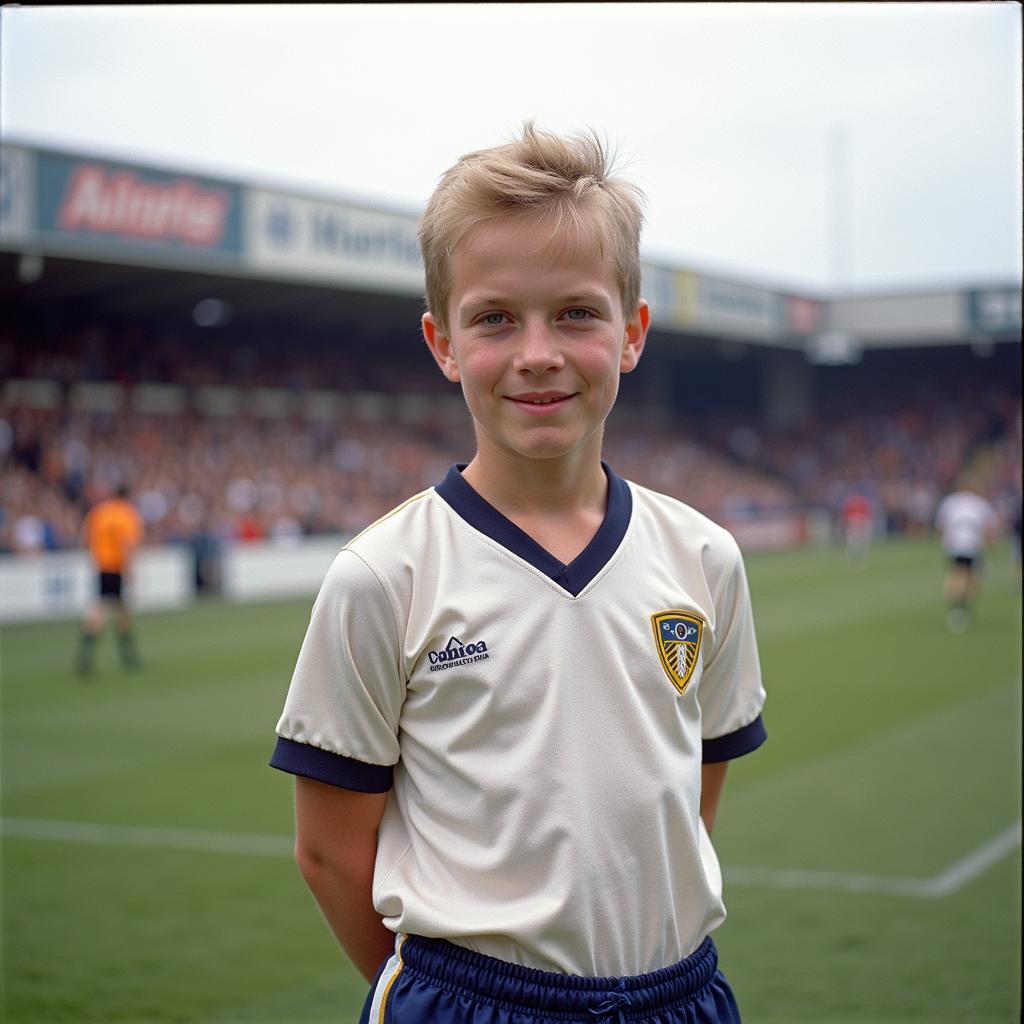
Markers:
(334, 769)
(736, 744)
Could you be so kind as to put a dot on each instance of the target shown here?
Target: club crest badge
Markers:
(678, 636)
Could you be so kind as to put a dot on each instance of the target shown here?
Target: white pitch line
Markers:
(978, 861)
(947, 882)
(826, 881)
(141, 835)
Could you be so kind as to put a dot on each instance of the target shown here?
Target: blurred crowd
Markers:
(131, 353)
(210, 480)
(243, 478)
(902, 454)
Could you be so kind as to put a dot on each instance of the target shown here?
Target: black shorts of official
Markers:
(965, 561)
(431, 981)
(110, 586)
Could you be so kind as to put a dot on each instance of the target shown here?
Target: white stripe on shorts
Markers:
(391, 971)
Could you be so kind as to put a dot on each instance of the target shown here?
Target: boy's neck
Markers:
(564, 488)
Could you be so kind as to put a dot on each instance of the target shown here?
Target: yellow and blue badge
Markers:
(678, 635)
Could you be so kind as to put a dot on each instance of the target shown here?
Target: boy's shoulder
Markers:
(672, 515)
(392, 548)
(405, 524)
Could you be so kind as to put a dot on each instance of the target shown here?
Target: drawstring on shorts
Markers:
(615, 1003)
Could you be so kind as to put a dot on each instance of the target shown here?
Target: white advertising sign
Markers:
(61, 584)
(739, 310)
(926, 318)
(331, 241)
(268, 569)
(658, 287)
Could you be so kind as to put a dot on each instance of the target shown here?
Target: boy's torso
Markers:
(545, 808)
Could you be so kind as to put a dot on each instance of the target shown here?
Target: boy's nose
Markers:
(538, 351)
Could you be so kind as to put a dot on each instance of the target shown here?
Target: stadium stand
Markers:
(264, 377)
(216, 451)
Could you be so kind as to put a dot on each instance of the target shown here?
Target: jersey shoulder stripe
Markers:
(388, 515)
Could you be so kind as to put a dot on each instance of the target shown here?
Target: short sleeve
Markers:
(731, 693)
(340, 719)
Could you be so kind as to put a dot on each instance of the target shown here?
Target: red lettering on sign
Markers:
(118, 203)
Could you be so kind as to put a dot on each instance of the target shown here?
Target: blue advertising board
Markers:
(111, 206)
(995, 310)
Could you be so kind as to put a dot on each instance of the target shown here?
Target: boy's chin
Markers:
(551, 449)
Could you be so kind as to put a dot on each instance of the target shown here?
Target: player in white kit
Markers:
(967, 524)
(512, 712)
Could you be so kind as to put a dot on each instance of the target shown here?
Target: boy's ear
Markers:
(636, 336)
(440, 346)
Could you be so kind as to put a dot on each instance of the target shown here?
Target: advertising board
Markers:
(736, 309)
(17, 193)
(116, 208)
(61, 584)
(310, 238)
(995, 310)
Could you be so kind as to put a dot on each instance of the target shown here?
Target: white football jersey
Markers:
(541, 726)
(964, 519)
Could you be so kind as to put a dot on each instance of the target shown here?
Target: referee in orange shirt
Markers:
(112, 531)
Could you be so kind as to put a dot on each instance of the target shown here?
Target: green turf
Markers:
(894, 752)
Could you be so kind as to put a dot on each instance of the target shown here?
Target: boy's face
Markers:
(537, 337)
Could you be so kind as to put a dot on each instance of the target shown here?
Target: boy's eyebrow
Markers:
(595, 297)
(475, 301)
(473, 304)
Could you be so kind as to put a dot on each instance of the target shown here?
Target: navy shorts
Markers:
(431, 981)
(967, 561)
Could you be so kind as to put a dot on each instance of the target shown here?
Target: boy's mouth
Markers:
(541, 402)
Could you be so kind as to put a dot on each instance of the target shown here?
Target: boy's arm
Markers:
(335, 848)
(712, 782)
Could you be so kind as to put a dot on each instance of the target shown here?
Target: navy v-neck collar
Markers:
(483, 516)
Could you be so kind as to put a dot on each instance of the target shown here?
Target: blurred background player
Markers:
(112, 531)
(858, 514)
(967, 524)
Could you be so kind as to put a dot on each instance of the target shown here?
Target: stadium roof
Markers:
(131, 240)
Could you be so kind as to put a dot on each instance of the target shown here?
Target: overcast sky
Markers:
(867, 145)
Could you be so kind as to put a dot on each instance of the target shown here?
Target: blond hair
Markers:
(567, 179)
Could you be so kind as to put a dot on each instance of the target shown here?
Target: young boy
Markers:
(512, 712)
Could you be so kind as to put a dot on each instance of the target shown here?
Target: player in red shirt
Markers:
(858, 515)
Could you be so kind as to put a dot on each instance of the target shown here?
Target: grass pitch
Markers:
(871, 860)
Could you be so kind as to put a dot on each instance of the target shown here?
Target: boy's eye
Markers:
(493, 319)
(577, 313)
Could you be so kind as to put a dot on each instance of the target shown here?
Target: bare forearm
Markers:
(343, 895)
(336, 847)
(712, 784)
